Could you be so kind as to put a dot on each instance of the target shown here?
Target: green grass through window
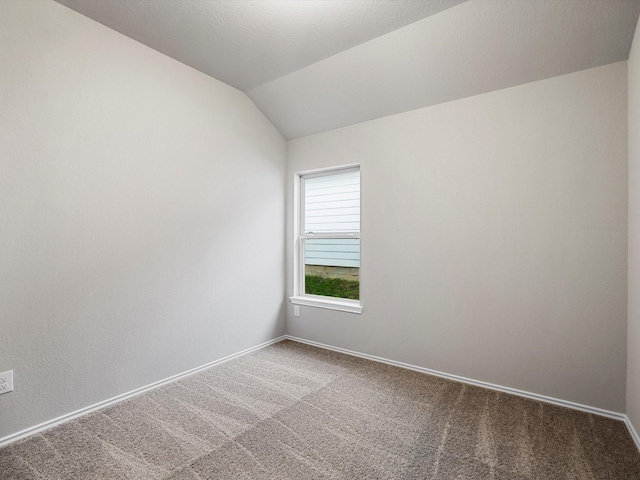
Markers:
(332, 287)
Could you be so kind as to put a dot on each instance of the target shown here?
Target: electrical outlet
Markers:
(6, 382)
(296, 310)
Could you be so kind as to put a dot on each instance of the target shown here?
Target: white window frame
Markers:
(299, 297)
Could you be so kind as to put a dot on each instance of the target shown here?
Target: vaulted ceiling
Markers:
(315, 65)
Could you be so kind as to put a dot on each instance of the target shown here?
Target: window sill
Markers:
(349, 306)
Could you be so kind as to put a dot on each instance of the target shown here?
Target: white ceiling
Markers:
(473, 48)
(315, 65)
(246, 43)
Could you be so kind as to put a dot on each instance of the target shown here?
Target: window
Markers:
(327, 237)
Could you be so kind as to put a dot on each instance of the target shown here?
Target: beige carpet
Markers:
(290, 411)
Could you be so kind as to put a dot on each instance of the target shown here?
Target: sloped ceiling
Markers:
(246, 43)
(315, 65)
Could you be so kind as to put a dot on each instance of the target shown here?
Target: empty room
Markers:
(319, 239)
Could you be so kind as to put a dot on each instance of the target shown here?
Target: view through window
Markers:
(331, 233)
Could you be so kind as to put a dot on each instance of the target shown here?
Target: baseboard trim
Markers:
(119, 398)
(632, 431)
(478, 383)
(124, 396)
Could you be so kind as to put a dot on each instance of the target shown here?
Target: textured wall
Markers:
(633, 329)
(134, 192)
(494, 233)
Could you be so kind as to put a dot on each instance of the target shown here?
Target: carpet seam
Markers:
(48, 424)
(469, 381)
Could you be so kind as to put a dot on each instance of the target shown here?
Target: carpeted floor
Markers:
(291, 411)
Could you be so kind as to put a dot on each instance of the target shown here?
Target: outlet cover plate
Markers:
(6, 382)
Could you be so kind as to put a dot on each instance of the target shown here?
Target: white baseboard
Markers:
(119, 398)
(470, 381)
(632, 431)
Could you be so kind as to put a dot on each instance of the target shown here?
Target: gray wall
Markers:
(494, 237)
(134, 192)
(633, 346)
